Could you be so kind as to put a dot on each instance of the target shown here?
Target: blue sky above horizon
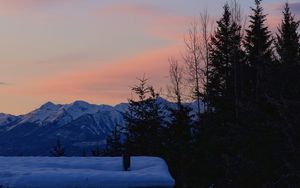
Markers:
(93, 50)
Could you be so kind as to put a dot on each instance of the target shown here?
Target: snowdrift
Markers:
(83, 172)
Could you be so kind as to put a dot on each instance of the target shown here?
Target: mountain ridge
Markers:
(79, 125)
(35, 132)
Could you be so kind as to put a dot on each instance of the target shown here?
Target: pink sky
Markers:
(66, 50)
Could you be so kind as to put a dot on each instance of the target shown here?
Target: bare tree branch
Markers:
(176, 78)
(196, 57)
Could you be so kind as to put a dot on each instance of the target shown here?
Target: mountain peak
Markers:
(2, 114)
(48, 106)
(80, 103)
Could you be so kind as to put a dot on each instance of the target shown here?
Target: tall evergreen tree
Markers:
(262, 136)
(286, 94)
(287, 48)
(258, 45)
(226, 60)
(219, 136)
(287, 39)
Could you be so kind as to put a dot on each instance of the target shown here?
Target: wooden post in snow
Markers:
(126, 161)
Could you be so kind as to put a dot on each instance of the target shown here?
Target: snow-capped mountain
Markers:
(62, 114)
(7, 118)
(78, 125)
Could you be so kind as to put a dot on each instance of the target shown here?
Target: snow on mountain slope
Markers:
(74, 124)
(41, 114)
(50, 113)
(7, 119)
(122, 107)
(78, 108)
(107, 118)
(77, 125)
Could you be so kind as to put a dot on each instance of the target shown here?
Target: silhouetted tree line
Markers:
(248, 132)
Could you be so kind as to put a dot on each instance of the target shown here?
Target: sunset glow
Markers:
(93, 50)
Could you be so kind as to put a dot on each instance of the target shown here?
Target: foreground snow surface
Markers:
(83, 172)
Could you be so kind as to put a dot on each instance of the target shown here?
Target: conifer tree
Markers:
(144, 121)
(225, 64)
(287, 91)
(287, 39)
(220, 135)
(287, 48)
(258, 45)
(114, 146)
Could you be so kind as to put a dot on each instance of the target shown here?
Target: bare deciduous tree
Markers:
(192, 59)
(176, 78)
(196, 57)
(238, 16)
(206, 24)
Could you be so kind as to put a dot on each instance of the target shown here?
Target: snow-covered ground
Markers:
(79, 172)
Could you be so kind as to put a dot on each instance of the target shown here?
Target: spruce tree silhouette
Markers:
(258, 45)
(144, 121)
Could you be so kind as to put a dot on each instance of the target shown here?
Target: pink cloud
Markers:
(109, 83)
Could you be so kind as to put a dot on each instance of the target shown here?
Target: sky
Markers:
(93, 50)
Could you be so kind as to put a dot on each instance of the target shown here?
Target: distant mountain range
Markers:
(79, 126)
